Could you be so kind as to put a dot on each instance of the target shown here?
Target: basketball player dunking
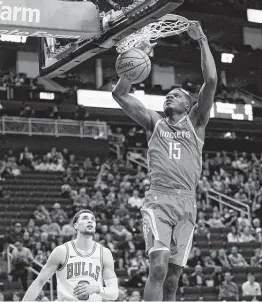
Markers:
(175, 162)
(81, 266)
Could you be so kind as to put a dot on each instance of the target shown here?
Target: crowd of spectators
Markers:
(19, 80)
(116, 198)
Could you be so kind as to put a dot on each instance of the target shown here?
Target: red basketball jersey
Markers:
(175, 155)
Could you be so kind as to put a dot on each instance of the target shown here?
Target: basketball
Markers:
(133, 65)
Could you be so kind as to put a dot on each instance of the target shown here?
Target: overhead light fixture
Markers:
(254, 15)
(227, 58)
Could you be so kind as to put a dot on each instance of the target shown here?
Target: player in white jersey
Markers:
(82, 267)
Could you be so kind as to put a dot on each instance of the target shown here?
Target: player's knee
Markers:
(158, 272)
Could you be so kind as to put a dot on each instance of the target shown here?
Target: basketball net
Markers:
(154, 31)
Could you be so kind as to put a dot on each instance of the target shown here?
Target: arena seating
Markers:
(24, 193)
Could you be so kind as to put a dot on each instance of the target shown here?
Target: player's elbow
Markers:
(212, 79)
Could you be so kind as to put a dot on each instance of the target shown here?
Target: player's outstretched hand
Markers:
(147, 47)
(195, 31)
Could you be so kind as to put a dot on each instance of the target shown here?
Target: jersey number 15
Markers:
(174, 150)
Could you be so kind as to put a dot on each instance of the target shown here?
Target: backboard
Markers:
(57, 56)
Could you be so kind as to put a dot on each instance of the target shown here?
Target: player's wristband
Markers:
(202, 38)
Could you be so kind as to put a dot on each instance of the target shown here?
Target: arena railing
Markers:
(50, 127)
(9, 265)
(224, 200)
(137, 158)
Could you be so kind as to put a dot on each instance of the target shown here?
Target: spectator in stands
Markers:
(21, 259)
(234, 235)
(80, 113)
(65, 155)
(197, 278)
(202, 229)
(54, 114)
(11, 164)
(68, 176)
(82, 200)
(44, 240)
(41, 215)
(133, 226)
(16, 296)
(72, 162)
(126, 184)
(223, 259)
(81, 177)
(109, 243)
(183, 281)
(127, 245)
(229, 217)
(17, 233)
(26, 111)
(212, 259)
(218, 184)
(104, 231)
(97, 163)
(87, 164)
(37, 247)
(123, 213)
(68, 231)
(256, 260)
(66, 191)
(2, 297)
(52, 155)
(42, 296)
(204, 185)
(135, 296)
(122, 196)
(257, 230)
(215, 221)
(246, 235)
(197, 258)
(236, 259)
(119, 138)
(26, 158)
(228, 289)
(118, 230)
(250, 287)
(243, 221)
(56, 212)
(135, 200)
(250, 188)
(217, 276)
(241, 196)
(27, 241)
(138, 279)
(53, 229)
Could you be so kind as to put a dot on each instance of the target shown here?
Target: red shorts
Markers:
(170, 217)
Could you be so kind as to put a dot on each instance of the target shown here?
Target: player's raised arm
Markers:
(53, 262)
(201, 111)
(131, 105)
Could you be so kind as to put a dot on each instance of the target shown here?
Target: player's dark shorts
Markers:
(169, 216)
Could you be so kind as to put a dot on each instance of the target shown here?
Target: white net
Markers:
(154, 31)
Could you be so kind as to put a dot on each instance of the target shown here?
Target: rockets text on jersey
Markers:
(175, 155)
(79, 269)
